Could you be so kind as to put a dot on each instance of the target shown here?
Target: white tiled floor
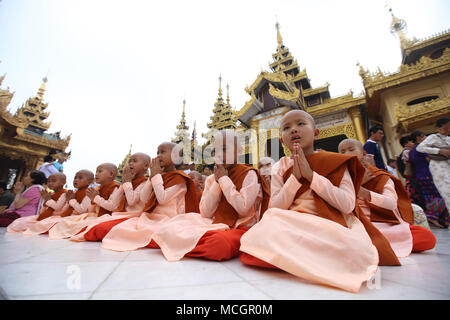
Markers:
(34, 267)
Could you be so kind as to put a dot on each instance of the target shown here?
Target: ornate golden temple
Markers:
(412, 98)
(24, 138)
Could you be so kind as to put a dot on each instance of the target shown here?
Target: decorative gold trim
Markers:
(336, 104)
(346, 129)
(423, 68)
(284, 95)
(313, 91)
(407, 115)
(426, 42)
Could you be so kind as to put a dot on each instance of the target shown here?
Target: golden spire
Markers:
(182, 132)
(220, 87)
(182, 124)
(228, 94)
(398, 26)
(279, 38)
(41, 91)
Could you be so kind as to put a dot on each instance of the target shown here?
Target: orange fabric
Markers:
(173, 178)
(423, 239)
(253, 261)
(218, 245)
(105, 192)
(378, 214)
(49, 211)
(135, 183)
(153, 245)
(386, 255)
(265, 186)
(79, 196)
(199, 195)
(98, 232)
(332, 166)
(225, 213)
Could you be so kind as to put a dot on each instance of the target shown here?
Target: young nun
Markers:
(55, 204)
(230, 204)
(78, 204)
(383, 199)
(172, 192)
(134, 192)
(104, 199)
(310, 229)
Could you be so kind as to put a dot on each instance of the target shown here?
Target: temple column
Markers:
(355, 115)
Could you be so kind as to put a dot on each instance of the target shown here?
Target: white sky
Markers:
(119, 70)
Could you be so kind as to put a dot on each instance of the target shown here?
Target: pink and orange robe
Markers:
(77, 207)
(173, 193)
(391, 212)
(228, 207)
(51, 208)
(105, 202)
(130, 205)
(311, 229)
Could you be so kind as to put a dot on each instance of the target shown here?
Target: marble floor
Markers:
(34, 267)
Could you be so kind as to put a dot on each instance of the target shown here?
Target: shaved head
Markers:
(353, 147)
(60, 176)
(89, 174)
(145, 157)
(110, 167)
(292, 113)
(195, 174)
(349, 141)
(226, 148)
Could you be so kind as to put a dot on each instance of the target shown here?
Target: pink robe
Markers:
(398, 235)
(293, 238)
(137, 231)
(30, 225)
(182, 233)
(73, 224)
(135, 202)
(47, 224)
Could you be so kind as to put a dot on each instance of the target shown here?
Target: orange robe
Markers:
(100, 205)
(227, 209)
(132, 201)
(173, 193)
(390, 210)
(311, 229)
(50, 212)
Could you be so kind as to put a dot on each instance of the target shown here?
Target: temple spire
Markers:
(220, 88)
(398, 26)
(279, 38)
(228, 94)
(41, 91)
(182, 133)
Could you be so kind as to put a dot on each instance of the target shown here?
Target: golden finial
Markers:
(398, 26)
(279, 38)
(228, 94)
(220, 86)
(41, 90)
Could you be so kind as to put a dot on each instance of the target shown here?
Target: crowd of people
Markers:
(330, 218)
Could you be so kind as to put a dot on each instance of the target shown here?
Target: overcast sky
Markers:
(118, 71)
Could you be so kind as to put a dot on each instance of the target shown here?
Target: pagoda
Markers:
(123, 164)
(25, 140)
(416, 95)
(287, 87)
(223, 115)
(182, 133)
